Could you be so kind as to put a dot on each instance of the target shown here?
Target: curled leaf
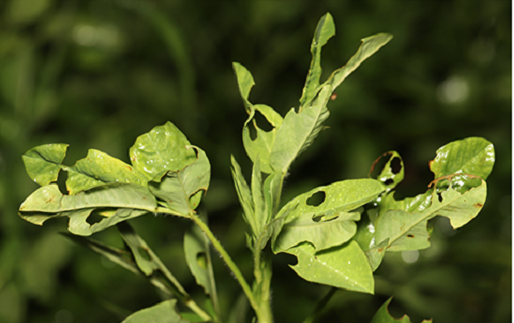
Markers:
(392, 172)
(182, 190)
(162, 149)
(43, 163)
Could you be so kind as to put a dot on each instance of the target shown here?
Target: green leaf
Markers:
(324, 31)
(162, 149)
(365, 237)
(164, 312)
(78, 219)
(263, 141)
(383, 316)
(262, 210)
(245, 83)
(329, 222)
(97, 169)
(272, 190)
(457, 194)
(48, 202)
(469, 156)
(117, 256)
(298, 131)
(181, 190)
(43, 163)
(196, 249)
(344, 266)
(392, 173)
(147, 261)
(244, 194)
(369, 46)
(408, 230)
(261, 145)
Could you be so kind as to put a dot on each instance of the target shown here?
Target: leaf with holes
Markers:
(260, 145)
(130, 200)
(182, 190)
(97, 169)
(43, 163)
(343, 266)
(408, 230)
(458, 193)
(327, 222)
(392, 172)
(383, 316)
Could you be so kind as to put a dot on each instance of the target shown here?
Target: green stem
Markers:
(228, 260)
(262, 273)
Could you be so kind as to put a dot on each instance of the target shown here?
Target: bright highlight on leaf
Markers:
(458, 192)
(339, 233)
(114, 190)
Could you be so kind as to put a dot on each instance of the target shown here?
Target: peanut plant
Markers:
(339, 233)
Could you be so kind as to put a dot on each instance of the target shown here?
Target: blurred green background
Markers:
(96, 74)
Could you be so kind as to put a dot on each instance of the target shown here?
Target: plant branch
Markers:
(228, 260)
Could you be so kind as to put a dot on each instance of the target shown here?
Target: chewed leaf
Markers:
(48, 202)
(327, 222)
(298, 131)
(161, 150)
(392, 173)
(407, 230)
(180, 189)
(469, 156)
(324, 31)
(383, 316)
(343, 266)
(323, 234)
(78, 220)
(261, 145)
(49, 199)
(43, 163)
(164, 312)
(97, 169)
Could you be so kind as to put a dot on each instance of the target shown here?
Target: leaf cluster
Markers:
(339, 233)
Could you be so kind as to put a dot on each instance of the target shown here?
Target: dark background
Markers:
(96, 74)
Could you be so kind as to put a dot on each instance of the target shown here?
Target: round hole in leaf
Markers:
(316, 199)
(201, 260)
(396, 165)
(262, 122)
(94, 217)
(389, 181)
